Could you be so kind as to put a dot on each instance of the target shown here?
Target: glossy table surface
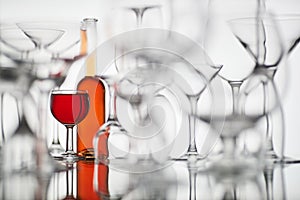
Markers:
(85, 180)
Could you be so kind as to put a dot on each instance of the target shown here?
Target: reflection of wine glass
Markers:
(69, 108)
(69, 183)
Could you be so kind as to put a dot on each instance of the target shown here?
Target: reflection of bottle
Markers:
(102, 180)
(96, 90)
(85, 188)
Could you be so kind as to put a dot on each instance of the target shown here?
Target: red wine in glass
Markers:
(69, 107)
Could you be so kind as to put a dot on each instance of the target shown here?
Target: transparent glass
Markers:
(69, 107)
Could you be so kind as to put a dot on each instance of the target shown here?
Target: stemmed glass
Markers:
(41, 35)
(266, 48)
(246, 123)
(69, 107)
(192, 152)
(50, 64)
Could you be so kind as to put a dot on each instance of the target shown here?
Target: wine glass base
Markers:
(272, 157)
(189, 157)
(70, 157)
(288, 160)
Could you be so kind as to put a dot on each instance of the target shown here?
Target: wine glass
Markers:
(50, 64)
(244, 125)
(146, 124)
(42, 35)
(290, 32)
(268, 51)
(69, 107)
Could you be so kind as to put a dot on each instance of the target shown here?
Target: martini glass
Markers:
(42, 35)
(266, 48)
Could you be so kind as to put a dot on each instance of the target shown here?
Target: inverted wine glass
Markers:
(69, 107)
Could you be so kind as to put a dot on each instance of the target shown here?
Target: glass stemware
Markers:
(42, 35)
(245, 125)
(69, 108)
(192, 152)
(266, 48)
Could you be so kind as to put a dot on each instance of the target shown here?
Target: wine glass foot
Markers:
(273, 158)
(70, 157)
(288, 160)
(189, 157)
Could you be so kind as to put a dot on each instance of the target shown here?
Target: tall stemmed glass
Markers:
(246, 123)
(69, 107)
(192, 152)
(50, 71)
(64, 49)
(290, 32)
(266, 48)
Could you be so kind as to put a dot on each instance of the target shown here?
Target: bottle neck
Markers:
(88, 34)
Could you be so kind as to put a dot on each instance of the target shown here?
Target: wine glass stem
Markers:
(1, 120)
(139, 12)
(192, 142)
(192, 179)
(69, 139)
(268, 174)
(43, 111)
(55, 140)
(235, 89)
(269, 130)
(112, 116)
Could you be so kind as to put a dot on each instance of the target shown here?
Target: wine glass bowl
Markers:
(15, 43)
(69, 107)
(42, 34)
(261, 38)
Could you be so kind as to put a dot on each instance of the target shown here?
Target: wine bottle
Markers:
(96, 91)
